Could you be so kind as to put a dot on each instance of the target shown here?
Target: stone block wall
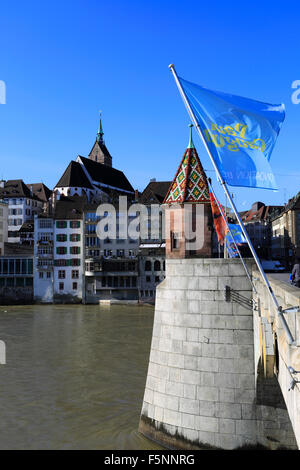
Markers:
(277, 403)
(201, 384)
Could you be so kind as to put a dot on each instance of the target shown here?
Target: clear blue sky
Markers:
(63, 61)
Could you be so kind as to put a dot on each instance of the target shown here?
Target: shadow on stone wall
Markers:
(16, 295)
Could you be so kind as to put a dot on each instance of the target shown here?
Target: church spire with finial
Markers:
(100, 132)
(191, 143)
(99, 152)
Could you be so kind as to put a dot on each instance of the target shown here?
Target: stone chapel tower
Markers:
(183, 218)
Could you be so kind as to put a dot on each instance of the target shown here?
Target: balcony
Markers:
(45, 242)
(45, 255)
(44, 267)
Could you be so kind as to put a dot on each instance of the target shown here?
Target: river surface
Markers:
(74, 376)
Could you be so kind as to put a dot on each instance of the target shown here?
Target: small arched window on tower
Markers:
(148, 265)
(156, 265)
(174, 241)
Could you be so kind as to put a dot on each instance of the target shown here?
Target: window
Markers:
(174, 241)
(156, 265)
(28, 281)
(148, 266)
(156, 278)
(75, 274)
(41, 275)
(45, 237)
(48, 274)
(61, 224)
(45, 223)
(74, 286)
(19, 282)
(10, 282)
(75, 224)
(60, 262)
(75, 237)
(61, 286)
(61, 274)
(61, 237)
(75, 250)
(148, 278)
(75, 262)
(61, 250)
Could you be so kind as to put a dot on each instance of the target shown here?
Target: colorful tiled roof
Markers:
(190, 183)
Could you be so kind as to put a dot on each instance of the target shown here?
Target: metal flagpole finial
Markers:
(171, 66)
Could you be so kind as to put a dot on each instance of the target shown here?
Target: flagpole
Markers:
(228, 228)
(225, 247)
(227, 193)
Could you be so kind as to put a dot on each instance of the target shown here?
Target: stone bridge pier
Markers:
(217, 375)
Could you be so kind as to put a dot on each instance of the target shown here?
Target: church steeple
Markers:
(100, 132)
(99, 152)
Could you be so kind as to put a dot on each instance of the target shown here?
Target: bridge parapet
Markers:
(274, 356)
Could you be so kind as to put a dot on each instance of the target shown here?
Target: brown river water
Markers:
(74, 376)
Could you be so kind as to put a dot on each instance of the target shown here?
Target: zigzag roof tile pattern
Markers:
(190, 182)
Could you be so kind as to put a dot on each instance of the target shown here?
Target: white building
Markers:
(3, 225)
(111, 263)
(68, 250)
(24, 201)
(43, 280)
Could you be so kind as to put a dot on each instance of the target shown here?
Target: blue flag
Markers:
(238, 236)
(240, 133)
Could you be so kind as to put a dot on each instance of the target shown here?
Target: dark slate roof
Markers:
(27, 227)
(41, 191)
(15, 188)
(106, 175)
(74, 176)
(155, 192)
(70, 207)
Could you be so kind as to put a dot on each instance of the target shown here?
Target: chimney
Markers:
(136, 195)
(2, 183)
